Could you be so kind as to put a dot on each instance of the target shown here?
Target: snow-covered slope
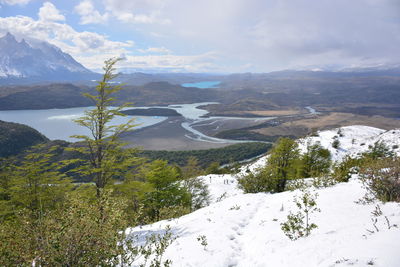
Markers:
(34, 58)
(245, 229)
(353, 140)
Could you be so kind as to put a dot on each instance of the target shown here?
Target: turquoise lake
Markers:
(203, 85)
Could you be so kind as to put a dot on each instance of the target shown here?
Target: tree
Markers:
(198, 190)
(34, 183)
(167, 193)
(282, 165)
(315, 161)
(73, 236)
(282, 160)
(106, 158)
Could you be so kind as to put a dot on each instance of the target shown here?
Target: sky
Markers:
(213, 36)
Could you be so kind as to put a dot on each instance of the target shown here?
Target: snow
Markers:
(353, 140)
(245, 229)
(16, 58)
(221, 186)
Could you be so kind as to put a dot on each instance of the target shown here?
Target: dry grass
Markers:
(269, 113)
(327, 121)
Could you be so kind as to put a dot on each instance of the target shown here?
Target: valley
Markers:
(259, 107)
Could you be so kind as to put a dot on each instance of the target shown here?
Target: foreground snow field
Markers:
(245, 229)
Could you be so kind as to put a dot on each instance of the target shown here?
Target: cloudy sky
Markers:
(213, 35)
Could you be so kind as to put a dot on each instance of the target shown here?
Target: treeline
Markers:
(209, 160)
(225, 155)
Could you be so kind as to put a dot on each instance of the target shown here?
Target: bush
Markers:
(336, 144)
(167, 189)
(79, 234)
(281, 166)
(378, 150)
(315, 161)
(262, 180)
(298, 224)
(342, 171)
(382, 179)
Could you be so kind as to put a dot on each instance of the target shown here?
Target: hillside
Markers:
(15, 138)
(64, 95)
(244, 229)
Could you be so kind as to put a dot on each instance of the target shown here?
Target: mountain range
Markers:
(34, 60)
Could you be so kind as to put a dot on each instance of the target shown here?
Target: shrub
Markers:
(342, 171)
(79, 234)
(203, 241)
(260, 181)
(315, 161)
(298, 224)
(281, 166)
(378, 150)
(324, 181)
(382, 179)
(167, 189)
(336, 144)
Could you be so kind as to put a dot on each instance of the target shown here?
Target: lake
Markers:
(203, 85)
(58, 123)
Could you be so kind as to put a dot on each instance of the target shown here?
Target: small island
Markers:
(165, 112)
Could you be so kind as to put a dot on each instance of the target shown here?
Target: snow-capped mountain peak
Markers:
(30, 58)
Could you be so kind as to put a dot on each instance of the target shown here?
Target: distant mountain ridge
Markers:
(36, 60)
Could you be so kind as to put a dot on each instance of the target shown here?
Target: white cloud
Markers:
(14, 2)
(248, 35)
(91, 49)
(78, 44)
(139, 11)
(88, 13)
(273, 35)
(161, 50)
(48, 12)
(197, 63)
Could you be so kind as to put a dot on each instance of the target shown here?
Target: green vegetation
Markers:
(298, 224)
(281, 166)
(197, 189)
(167, 192)
(45, 220)
(15, 138)
(222, 156)
(349, 165)
(315, 162)
(378, 168)
(105, 157)
(286, 163)
(245, 134)
(382, 178)
(167, 112)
